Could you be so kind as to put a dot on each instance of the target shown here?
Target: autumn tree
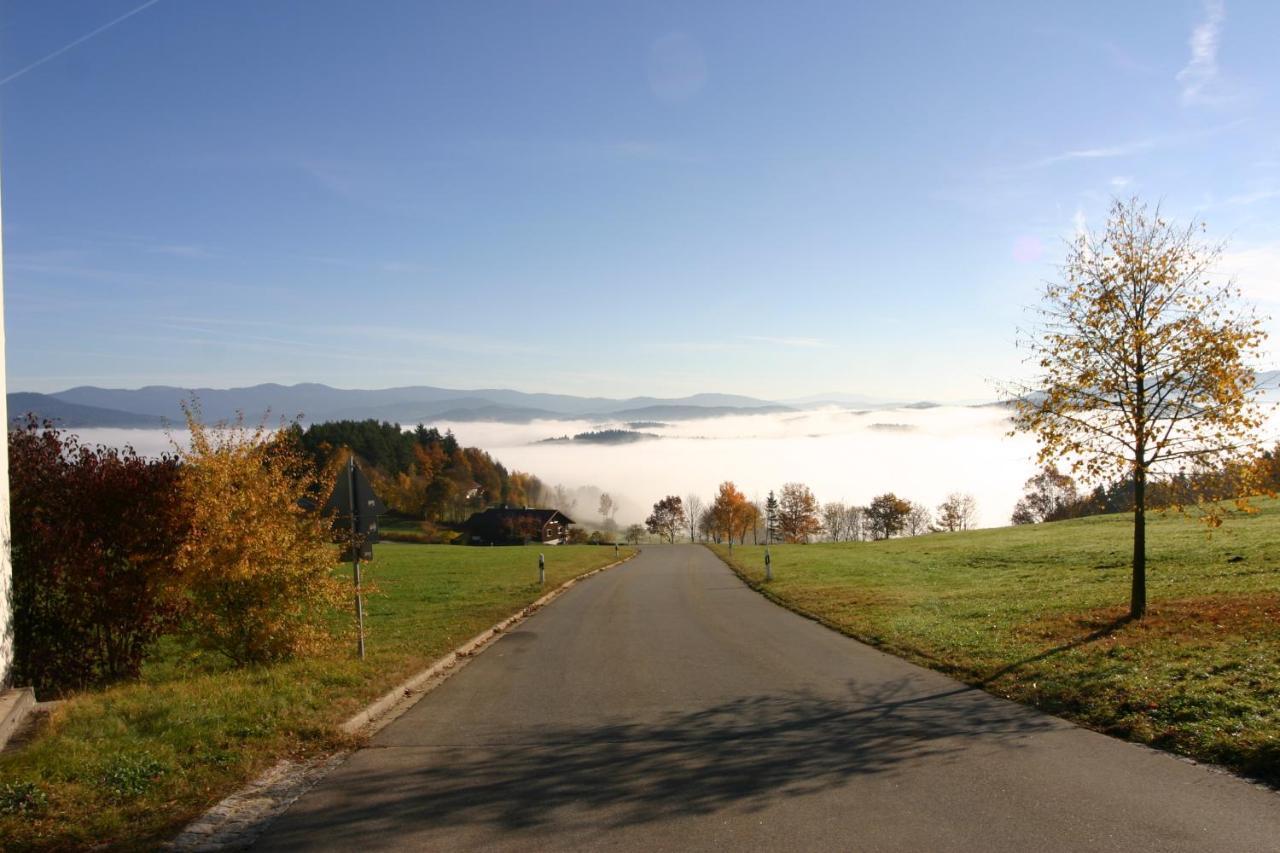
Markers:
(886, 515)
(834, 520)
(729, 511)
(958, 512)
(635, 534)
(1145, 365)
(257, 567)
(707, 526)
(1048, 495)
(750, 521)
(798, 513)
(667, 518)
(757, 520)
(918, 521)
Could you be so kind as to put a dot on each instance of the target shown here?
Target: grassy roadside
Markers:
(1036, 614)
(129, 765)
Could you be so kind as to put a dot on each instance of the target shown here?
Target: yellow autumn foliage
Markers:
(1146, 368)
(256, 572)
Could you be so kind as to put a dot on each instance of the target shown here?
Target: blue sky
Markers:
(776, 199)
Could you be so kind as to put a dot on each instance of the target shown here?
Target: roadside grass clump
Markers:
(22, 797)
(128, 776)
(1038, 614)
(125, 767)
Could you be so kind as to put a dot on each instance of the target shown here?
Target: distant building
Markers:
(501, 525)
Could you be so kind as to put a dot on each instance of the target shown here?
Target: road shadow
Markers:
(737, 755)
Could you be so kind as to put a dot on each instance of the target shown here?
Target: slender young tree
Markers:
(958, 512)
(693, 507)
(1145, 366)
(770, 519)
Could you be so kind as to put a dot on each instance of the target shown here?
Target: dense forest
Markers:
(422, 473)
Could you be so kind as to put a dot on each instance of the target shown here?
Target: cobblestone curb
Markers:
(236, 821)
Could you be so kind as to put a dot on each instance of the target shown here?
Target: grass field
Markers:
(1036, 614)
(129, 765)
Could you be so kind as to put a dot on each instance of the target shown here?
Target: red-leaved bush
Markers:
(96, 532)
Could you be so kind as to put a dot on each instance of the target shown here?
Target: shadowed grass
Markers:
(1038, 614)
(131, 764)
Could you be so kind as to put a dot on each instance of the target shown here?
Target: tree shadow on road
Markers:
(737, 755)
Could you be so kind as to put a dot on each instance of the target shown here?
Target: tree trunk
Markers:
(1138, 595)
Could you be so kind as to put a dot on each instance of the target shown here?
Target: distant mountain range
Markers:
(48, 407)
(152, 406)
(156, 405)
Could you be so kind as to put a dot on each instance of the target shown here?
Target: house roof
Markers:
(498, 514)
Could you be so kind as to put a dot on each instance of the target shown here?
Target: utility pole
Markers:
(355, 550)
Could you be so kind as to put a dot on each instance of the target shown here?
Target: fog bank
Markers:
(842, 454)
(920, 454)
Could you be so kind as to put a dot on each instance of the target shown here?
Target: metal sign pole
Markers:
(355, 551)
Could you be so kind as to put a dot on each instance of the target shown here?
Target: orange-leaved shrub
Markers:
(257, 568)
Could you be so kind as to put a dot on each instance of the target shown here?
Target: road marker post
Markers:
(356, 508)
(768, 565)
(542, 569)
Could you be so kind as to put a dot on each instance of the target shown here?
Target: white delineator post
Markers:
(6, 566)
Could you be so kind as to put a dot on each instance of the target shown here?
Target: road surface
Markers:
(662, 705)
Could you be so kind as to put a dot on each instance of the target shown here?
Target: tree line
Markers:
(795, 515)
(423, 473)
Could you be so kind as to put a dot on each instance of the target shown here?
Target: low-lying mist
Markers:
(852, 456)
(919, 454)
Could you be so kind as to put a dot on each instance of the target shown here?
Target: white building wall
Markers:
(6, 566)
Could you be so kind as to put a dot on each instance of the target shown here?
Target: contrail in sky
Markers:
(84, 38)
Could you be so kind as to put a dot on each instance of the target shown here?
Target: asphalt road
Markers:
(662, 705)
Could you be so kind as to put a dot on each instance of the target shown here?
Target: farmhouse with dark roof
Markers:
(516, 526)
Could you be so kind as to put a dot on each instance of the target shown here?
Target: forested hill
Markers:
(423, 473)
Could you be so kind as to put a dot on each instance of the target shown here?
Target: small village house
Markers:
(516, 526)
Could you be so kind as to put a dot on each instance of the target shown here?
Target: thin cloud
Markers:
(1200, 77)
(1126, 149)
(77, 42)
(801, 343)
(693, 346)
(1253, 197)
(181, 251)
(1134, 147)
